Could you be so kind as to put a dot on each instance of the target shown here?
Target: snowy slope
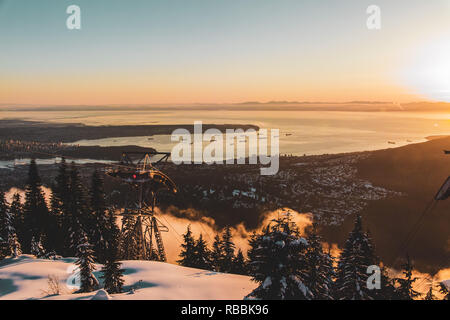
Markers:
(26, 278)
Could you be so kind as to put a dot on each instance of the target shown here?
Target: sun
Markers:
(428, 72)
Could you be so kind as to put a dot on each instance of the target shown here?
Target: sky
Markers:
(223, 51)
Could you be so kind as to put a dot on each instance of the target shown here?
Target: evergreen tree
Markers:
(16, 213)
(202, 255)
(85, 262)
(388, 290)
(112, 272)
(129, 238)
(430, 295)
(187, 253)
(60, 201)
(444, 290)
(36, 215)
(9, 244)
(4, 223)
(217, 254)
(320, 271)
(239, 265)
(357, 255)
(278, 263)
(228, 247)
(98, 207)
(77, 212)
(252, 253)
(405, 289)
(36, 247)
(14, 244)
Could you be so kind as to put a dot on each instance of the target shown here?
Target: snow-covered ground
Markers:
(26, 277)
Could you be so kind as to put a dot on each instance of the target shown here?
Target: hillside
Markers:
(417, 171)
(26, 278)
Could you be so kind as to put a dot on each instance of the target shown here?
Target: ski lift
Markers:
(137, 169)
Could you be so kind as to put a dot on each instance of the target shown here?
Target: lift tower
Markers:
(145, 180)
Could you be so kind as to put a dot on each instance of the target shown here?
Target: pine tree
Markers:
(239, 265)
(9, 244)
(85, 262)
(60, 200)
(4, 223)
(16, 212)
(278, 263)
(202, 255)
(98, 207)
(187, 253)
(14, 244)
(430, 295)
(36, 247)
(252, 254)
(405, 289)
(357, 255)
(217, 254)
(228, 247)
(320, 271)
(388, 290)
(129, 238)
(77, 211)
(36, 212)
(112, 272)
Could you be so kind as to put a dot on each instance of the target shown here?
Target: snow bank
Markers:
(26, 277)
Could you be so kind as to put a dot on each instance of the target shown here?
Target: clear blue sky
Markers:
(215, 51)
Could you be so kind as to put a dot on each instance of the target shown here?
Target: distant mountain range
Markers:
(372, 106)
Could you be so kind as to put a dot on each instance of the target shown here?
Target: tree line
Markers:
(284, 263)
(288, 266)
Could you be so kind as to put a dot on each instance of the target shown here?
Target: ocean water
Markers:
(301, 132)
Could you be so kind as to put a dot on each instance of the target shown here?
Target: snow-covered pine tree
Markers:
(35, 209)
(320, 273)
(217, 254)
(112, 272)
(14, 248)
(98, 228)
(405, 289)
(16, 211)
(278, 263)
(85, 262)
(202, 255)
(239, 264)
(228, 247)
(59, 201)
(357, 255)
(14, 244)
(78, 213)
(187, 254)
(444, 290)
(4, 224)
(36, 247)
